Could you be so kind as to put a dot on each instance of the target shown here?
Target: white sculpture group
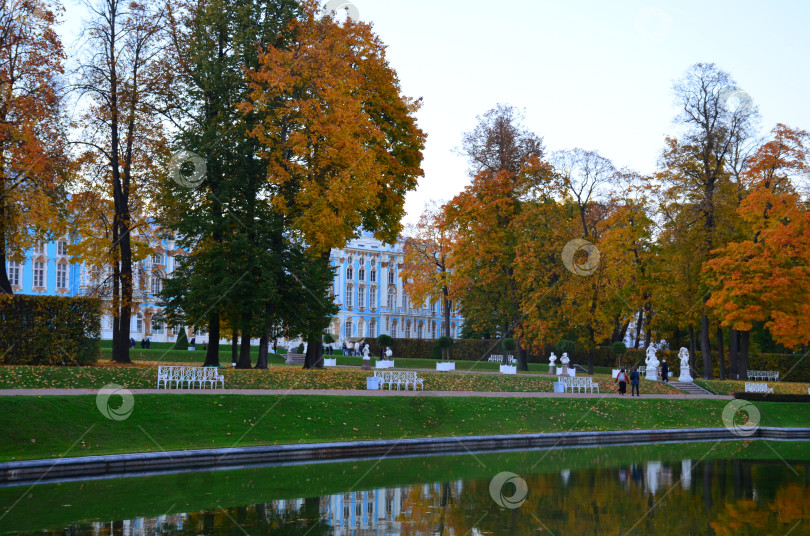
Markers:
(554, 369)
(683, 354)
(652, 363)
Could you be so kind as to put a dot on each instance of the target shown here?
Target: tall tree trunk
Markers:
(743, 361)
(639, 324)
(264, 343)
(705, 347)
(244, 350)
(212, 353)
(235, 347)
(733, 345)
(521, 355)
(692, 343)
(720, 355)
(590, 361)
(313, 358)
(623, 332)
(5, 284)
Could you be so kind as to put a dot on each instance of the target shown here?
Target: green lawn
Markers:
(169, 355)
(46, 427)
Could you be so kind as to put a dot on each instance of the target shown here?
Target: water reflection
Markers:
(657, 497)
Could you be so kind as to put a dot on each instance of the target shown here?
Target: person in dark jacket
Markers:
(635, 376)
(665, 370)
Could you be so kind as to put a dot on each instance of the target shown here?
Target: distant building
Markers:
(367, 287)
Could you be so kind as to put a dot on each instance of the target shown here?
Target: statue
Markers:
(388, 352)
(564, 360)
(685, 376)
(366, 351)
(366, 360)
(551, 363)
(652, 363)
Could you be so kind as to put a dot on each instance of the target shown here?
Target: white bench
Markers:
(764, 375)
(179, 377)
(499, 359)
(384, 363)
(399, 377)
(581, 384)
(751, 387)
(294, 359)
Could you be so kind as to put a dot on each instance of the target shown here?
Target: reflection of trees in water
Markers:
(721, 497)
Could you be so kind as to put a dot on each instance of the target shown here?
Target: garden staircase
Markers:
(689, 388)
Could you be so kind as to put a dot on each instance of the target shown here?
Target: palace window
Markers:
(391, 277)
(14, 271)
(158, 258)
(39, 274)
(39, 248)
(361, 274)
(361, 297)
(392, 298)
(372, 328)
(407, 330)
(61, 275)
(61, 248)
(372, 276)
(349, 292)
(349, 272)
(419, 330)
(156, 283)
(394, 328)
(433, 330)
(372, 298)
(348, 327)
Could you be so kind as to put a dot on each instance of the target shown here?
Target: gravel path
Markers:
(338, 392)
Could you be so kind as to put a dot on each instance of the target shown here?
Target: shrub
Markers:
(618, 348)
(182, 340)
(49, 330)
(509, 344)
(444, 343)
(300, 349)
(384, 340)
(566, 347)
(328, 338)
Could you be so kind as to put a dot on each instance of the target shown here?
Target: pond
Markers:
(742, 487)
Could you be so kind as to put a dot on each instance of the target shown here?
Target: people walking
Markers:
(665, 370)
(635, 376)
(621, 377)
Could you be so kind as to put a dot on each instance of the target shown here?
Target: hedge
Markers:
(771, 397)
(49, 330)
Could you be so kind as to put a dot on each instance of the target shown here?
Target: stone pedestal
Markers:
(552, 370)
(652, 373)
(366, 364)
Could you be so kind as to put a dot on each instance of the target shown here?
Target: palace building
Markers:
(367, 287)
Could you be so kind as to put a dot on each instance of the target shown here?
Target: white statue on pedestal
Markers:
(564, 360)
(388, 352)
(366, 351)
(551, 363)
(685, 376)
(652, 363)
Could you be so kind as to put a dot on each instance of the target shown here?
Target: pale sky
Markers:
(590, 74)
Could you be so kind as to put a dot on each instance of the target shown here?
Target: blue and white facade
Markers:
(370, 292)
(367, 287)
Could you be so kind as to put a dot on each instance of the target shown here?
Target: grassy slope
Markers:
(127, 498)
(44, 427)
(279, 377)
(728, 387)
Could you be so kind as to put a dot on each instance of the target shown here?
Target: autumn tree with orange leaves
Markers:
(33, 158)
(340, 140)
(427, 273)
(766, 278)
